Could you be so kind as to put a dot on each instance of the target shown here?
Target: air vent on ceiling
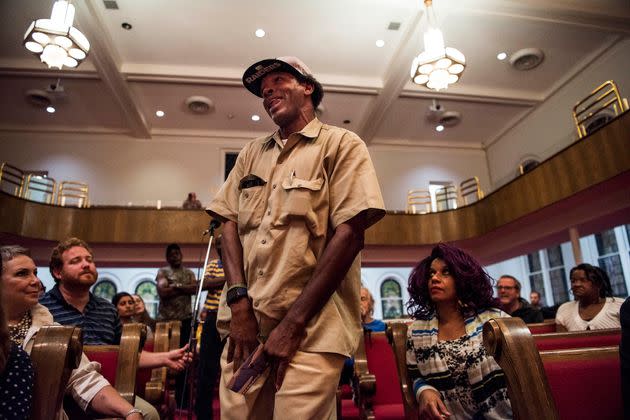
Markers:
(527, 58)
(110, 4)
(199, 105)
(393, 26)
(450, 118)
(39, 98)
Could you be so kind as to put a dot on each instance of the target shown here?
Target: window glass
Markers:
(612, 265)
(147, 290)
(557, 275)
(533, 260)
(537, 283)
(391, 299)
(559, 288)
(105, 289)
(606, 242)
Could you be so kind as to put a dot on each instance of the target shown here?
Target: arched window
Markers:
(391, 299)
(147, 290)
(105, 289)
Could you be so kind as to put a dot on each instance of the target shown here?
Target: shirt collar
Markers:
(310, 131)
(56, 293)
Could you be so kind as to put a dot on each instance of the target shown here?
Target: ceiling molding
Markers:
(396, 77)
(106, 61)
(62, 129)
(474, 98)
(47, 73)
(405, 144)
(591, 15)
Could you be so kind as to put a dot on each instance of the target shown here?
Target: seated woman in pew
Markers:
(20, 300)
(594, 307)
(16, 372)
(126, 307)
(451, 297)
(141, 314)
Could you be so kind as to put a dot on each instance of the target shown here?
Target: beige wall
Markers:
(549, 128)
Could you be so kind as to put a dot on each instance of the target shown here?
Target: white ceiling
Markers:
(192, 47)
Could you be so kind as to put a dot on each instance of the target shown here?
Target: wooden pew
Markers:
(119, 364)
(379, 389)
(578, 339)
(511, 344)
(56, 352)
(582, 383)
(397, 334)
(160, 390)
(585, 383)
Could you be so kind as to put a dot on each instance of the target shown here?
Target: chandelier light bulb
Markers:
(437, 66)
(55, 41)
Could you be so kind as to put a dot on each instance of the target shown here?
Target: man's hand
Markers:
(243, 332)
(282, 344)
(431, 406)
(177, 359)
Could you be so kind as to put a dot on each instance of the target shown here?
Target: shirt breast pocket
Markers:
(251, 203)
(300, 198)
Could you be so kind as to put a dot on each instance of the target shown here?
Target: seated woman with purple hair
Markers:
(453, 376)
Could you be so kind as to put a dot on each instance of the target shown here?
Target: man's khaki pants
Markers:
(307, 392)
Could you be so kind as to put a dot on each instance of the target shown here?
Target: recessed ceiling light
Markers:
(439, 128)
(255, 117)
(51, 109)
(260, 33)
(159, 113)
(501, 56)
(380, 43)
(126, 26)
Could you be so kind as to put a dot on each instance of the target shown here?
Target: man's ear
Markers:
(309, 88)
(56, 274)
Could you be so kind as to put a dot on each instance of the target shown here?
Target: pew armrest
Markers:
(397, 336)
(511, 344)
(57, 351)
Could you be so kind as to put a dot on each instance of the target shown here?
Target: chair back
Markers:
(73, 193)
(40, 189)
(446, 198)
(542, 327)
(418, 201)
(578, 339)
(397, 335)
(122, 359)
(470, 190)
(11, 179)
(599, 107)
(56, 353)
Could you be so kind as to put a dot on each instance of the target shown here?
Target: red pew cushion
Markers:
(578, 342)
(586, 389)
(382, 363)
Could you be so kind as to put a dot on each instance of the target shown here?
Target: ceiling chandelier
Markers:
(55, 41)
(436, 67)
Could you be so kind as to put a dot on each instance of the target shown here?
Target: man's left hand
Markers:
(282, 344)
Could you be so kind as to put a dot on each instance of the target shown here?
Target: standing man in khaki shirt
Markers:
(295, 209)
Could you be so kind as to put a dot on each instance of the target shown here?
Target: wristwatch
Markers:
(235, 293)
(134, 411)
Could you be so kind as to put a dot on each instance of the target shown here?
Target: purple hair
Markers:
(472, 284)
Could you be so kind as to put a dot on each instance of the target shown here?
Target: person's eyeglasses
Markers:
(505, 287)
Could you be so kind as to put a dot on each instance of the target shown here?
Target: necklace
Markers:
(17, 332)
